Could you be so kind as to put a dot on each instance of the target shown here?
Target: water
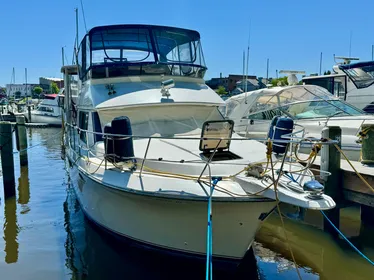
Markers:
(45, 236)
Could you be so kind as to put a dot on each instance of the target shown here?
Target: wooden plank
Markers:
(350, 179)
(360, 198)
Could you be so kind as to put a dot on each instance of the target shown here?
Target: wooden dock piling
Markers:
(21, 138)
(367, 144)
(330, 162)
(29, 113)
(7, 162)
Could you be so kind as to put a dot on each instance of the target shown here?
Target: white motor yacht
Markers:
(351, 82)
(48, 111)
(150, 153)
(311, 107)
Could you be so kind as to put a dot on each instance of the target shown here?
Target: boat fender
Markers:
(280, 126)
(122, 146)
(272, 125)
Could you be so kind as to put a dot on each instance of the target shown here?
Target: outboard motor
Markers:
(280, 126)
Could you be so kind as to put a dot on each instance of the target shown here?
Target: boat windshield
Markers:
(299, 102)
(361, 74)
(320, 109)
(125, 50)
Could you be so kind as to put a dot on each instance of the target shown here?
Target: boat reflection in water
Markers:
(92, 253)
(315, 249)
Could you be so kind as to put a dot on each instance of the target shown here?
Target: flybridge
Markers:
(133, 50)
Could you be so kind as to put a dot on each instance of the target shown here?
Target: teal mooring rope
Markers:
(346, 239)
(209, 239)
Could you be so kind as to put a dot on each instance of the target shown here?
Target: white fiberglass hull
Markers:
(172, 224)
(51, 120)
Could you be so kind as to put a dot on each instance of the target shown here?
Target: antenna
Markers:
(320, 64)
(267, 71)
(350, 43)
(346, 60)
(292, 79)
(76, 28)
(249, 42)
(63, 56)
(243, 69)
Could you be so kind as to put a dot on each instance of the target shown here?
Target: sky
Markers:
(291, 34)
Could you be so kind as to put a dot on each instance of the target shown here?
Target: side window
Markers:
(83, 124)
(266, 115)
(96, 127)
(339, 87)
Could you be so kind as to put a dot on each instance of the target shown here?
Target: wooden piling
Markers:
(367, 155)
(21, 138)
(29, 113)
(7, 162)
(330, 162)
(367, 215)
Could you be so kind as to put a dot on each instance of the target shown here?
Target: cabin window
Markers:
(340, 87)
(96, 127)
(83, 124)
(45, 109)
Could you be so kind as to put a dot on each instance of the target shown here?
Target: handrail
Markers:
(123, 136)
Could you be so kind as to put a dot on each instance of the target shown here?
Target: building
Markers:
(252, 84)
(46, 83)
(234, 79)
(19, 90)
(229, 83)
(214, 83)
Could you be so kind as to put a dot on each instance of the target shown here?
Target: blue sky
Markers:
(290, 33)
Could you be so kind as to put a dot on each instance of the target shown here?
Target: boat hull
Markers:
(172, 224)
(51, 120)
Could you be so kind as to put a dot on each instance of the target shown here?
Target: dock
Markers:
(353, 188)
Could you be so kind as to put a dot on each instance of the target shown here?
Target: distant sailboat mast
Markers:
(249, 42)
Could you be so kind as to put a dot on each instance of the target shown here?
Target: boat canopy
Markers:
(125, 50)
(298, 102)
(361, 73)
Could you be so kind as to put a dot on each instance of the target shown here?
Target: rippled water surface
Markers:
(45, 236)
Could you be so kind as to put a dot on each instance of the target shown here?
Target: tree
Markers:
(37, 90)
(328, 72)
(221, 90)
(54, 88)
(282, 81)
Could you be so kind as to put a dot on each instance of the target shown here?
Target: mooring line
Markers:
(346, 239)
(30, 147)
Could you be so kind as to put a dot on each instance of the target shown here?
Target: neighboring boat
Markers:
(311, 107)
(351, 82)
(148, 148)
(48, 111)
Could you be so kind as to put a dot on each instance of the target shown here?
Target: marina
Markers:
(132, 160)
(61, 244)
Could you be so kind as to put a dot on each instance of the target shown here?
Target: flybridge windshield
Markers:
(141, 50)
(361, 74)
